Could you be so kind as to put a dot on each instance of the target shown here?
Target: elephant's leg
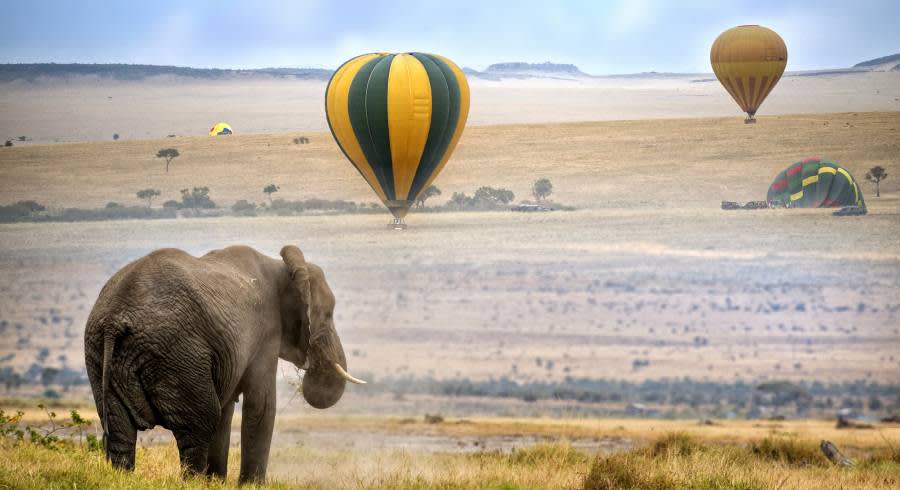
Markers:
(185, 398)
(121, 438)
(218, 448)
(258, 419)
(193, 451)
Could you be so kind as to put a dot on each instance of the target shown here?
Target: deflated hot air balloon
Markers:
(220, 129)
(748, 61)
(815, 183)
(397, 118)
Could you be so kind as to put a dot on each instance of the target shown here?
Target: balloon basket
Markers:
(750, 120)
(396, 224)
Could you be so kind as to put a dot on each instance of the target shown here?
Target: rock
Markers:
(834, 454)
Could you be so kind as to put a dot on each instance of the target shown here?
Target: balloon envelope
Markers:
(748, 61)
(815, 183)
(397, 118)
(220, 129)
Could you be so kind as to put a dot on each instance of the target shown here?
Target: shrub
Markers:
(19, 211)
(171, 204)
(196, 198)
(244, 208)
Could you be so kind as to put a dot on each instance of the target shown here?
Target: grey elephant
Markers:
(173, 340)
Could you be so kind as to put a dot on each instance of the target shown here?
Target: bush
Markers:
(196, 198)
(20, 211)
(171, 204)
(244, 208)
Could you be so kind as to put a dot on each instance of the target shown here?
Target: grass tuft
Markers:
(789, 451)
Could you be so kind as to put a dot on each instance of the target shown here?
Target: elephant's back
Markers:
(170, 288)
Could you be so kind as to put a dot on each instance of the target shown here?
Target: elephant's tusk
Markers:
(346, 375)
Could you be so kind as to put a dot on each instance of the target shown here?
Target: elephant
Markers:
(174, 339)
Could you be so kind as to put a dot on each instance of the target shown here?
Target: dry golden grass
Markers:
(621, 164)
(670, 460)
(526, 286)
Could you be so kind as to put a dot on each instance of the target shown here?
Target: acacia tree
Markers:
(198, 197)
(541, 189)
(875, 175)
(169, 154)
(269, 190)
(429, 192)
(148, 194)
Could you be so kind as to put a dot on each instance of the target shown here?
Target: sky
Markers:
(601, 37)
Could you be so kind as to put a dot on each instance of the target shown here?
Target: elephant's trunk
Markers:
(326, 377)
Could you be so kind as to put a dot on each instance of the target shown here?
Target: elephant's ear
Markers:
(296, 264)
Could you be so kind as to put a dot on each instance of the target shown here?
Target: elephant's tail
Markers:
(109, 341)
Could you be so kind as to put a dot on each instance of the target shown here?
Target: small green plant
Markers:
(55, 435)
(9, 425)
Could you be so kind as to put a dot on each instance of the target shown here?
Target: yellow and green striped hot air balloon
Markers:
(815, 183)
(748, 61)
(397, 118)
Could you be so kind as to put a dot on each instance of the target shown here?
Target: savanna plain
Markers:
(509, 350)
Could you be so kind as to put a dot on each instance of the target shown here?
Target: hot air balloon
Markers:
(815, 183)
(397, 118)
(220, 129)
(748, 61)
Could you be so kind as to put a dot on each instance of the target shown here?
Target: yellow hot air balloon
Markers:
(748, 60)
(220, 129)
(397, 118)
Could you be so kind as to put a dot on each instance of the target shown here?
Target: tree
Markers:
(115, 136)
(244, 208)
(8, 143)
(269, 190)
(148, 194)
(541, 189)
(875, 175)
(198, 197)
(429, 192)
(460, 200)
(169, 154)
(490, 197)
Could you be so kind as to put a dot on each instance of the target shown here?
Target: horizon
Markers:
(611, 38)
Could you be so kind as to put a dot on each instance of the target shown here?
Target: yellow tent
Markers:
(220, 128)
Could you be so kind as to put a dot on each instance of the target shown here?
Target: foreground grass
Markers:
(678, 461)
(675, 460)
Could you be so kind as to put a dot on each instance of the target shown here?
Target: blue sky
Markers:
(601, 37)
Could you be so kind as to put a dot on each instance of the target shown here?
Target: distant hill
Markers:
(522, 70)
(885, 62)
(35, 71)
